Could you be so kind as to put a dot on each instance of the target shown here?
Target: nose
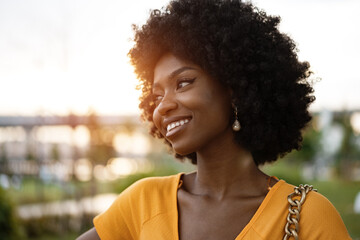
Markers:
(166, 105)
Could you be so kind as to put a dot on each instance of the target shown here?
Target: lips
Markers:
(175, 124)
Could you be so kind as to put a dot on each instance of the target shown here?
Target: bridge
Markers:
(70, 120)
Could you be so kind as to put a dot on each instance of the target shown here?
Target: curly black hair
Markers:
(240, 46)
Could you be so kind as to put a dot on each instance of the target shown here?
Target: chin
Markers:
(182, 150)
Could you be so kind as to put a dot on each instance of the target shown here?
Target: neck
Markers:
(227, 170)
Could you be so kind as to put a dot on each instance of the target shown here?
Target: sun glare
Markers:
(59, 60)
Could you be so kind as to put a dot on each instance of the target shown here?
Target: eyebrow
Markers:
(178, 71)
(175, 73)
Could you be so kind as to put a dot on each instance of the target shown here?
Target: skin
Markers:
(190, 93)
(220, 198)
(89, 235)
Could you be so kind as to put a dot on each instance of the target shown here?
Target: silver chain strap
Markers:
(293, 218)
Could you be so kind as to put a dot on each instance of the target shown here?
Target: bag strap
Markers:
(293, 218)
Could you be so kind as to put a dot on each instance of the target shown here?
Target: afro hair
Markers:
(240, 46)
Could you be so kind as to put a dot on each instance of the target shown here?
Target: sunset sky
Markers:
(58, 56)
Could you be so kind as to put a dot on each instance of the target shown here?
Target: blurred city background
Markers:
(70, 134)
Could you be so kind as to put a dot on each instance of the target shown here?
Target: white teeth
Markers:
(177, 124)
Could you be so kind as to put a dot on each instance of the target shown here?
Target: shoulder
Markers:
(318, 208)
(320, 220)
(314, 202)
(137, 204)
(317, 203)
(157, 181)
(150, 195)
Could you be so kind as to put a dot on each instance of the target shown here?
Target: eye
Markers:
(184, 83)
(156, 99)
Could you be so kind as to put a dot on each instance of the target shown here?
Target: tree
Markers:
(309, 147)
(349, 151)
(101, 148)
(9, 227)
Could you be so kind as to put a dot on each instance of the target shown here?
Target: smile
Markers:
(176, 124)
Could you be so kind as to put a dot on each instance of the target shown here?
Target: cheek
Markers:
(157, 120)
(211, 101)
(210, 111)
(218, 108)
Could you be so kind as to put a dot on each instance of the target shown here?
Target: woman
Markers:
(225, 89)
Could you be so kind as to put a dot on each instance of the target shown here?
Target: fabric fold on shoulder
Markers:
(136, 205)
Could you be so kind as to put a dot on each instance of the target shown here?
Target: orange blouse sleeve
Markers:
(145, 208)
(320, 220)
(117, 222)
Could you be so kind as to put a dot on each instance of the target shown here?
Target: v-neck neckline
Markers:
(248, 226)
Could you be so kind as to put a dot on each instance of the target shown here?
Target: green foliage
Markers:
(48, 227)
(124, 183)
(9, 228)
(309, 147)
(101, 148)
(30, 189)
(3, 155)
(62, 236)
(30, 154)
(100, 153)
(55, 154)
(282, 169)
(349, 150)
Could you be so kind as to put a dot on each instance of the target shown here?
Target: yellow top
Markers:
(148, 210)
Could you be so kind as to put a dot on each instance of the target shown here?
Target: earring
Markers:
(236, 125)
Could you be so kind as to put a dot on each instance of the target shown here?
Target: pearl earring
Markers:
(236, 125)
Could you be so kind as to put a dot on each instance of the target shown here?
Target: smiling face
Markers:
(192, 109)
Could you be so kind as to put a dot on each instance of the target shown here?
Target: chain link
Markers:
(293, 218)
